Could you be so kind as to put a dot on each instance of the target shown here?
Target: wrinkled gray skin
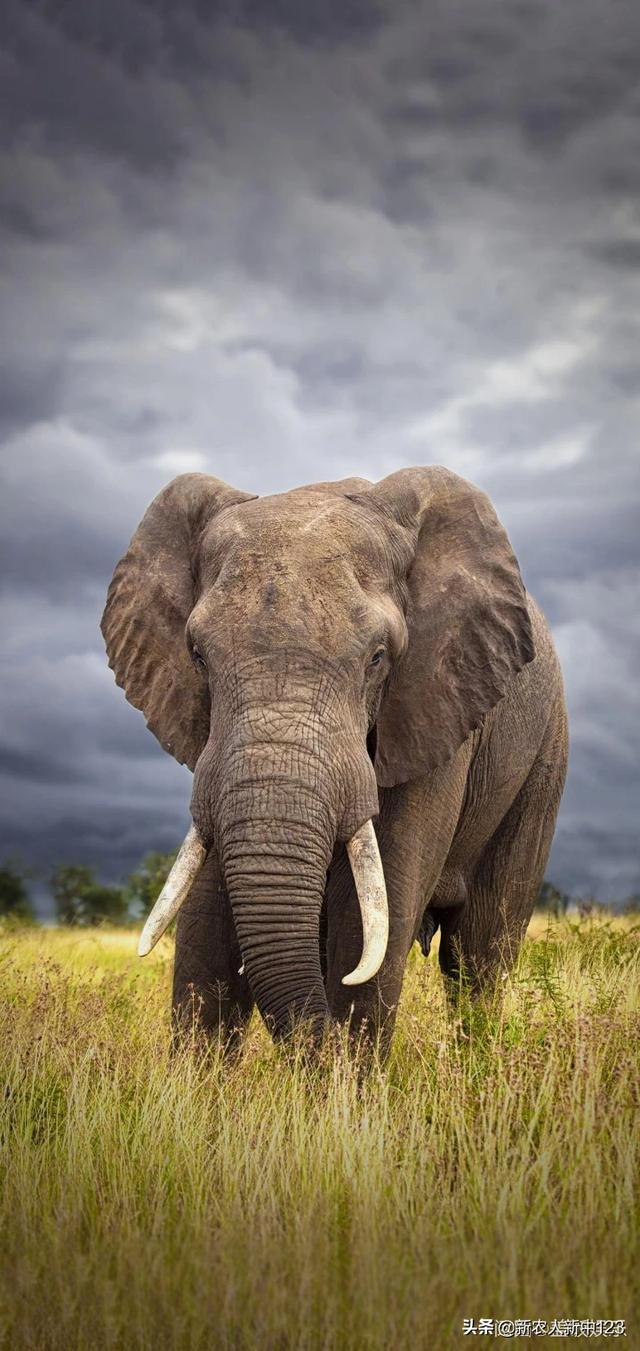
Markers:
(320, 657)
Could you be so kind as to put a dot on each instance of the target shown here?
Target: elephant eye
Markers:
(377, 657)
(198, 659)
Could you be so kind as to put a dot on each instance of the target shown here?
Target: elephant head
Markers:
(297, 652)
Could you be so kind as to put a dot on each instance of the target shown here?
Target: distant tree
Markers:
(552, 900)
(14, 897)
(81, 900)
(145, 884)
(631, 904)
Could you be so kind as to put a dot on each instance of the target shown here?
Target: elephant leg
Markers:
(415, 828)
(482, 938)
(369, 1010)
(359, 1006)
(211, 1000)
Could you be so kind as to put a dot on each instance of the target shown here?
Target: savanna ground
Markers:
(487, 1172)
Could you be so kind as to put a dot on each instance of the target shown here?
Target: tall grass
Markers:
(489, 1170)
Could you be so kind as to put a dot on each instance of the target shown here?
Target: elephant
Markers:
(373, 710)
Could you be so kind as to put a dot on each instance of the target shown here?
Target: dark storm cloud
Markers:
(25, 397)
(624, 253)
(280, 247)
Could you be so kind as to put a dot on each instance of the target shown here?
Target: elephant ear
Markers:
(152, 593)
(467, 617)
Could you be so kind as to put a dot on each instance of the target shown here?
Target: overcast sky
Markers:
(281, 249)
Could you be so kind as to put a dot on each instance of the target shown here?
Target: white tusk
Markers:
(366, 866)
(191, 856)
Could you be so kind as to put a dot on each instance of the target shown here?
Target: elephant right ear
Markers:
(152, 594)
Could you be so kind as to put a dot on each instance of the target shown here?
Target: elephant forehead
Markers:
(293, 536)
(315, 576)
(258, 595)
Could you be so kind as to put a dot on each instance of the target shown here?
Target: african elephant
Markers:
(325, 658)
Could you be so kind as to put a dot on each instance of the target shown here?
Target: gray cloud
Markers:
(623, 253)
(281, 250)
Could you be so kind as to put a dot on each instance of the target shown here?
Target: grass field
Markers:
(492, 1173)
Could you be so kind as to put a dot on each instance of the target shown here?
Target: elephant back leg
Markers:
(211, 999)
(482, 938)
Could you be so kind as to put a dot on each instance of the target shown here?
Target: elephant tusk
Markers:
(366, 866)
(190, 859)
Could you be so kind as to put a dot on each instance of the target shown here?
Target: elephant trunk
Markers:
(275, 869)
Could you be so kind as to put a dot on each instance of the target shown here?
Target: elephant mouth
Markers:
(366, 866)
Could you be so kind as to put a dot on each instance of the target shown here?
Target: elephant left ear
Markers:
(467, 617)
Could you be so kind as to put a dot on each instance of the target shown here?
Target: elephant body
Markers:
(324, 657)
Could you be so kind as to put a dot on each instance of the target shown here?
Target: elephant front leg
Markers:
(368, 1010)
(415, 828)
(212, 1001)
